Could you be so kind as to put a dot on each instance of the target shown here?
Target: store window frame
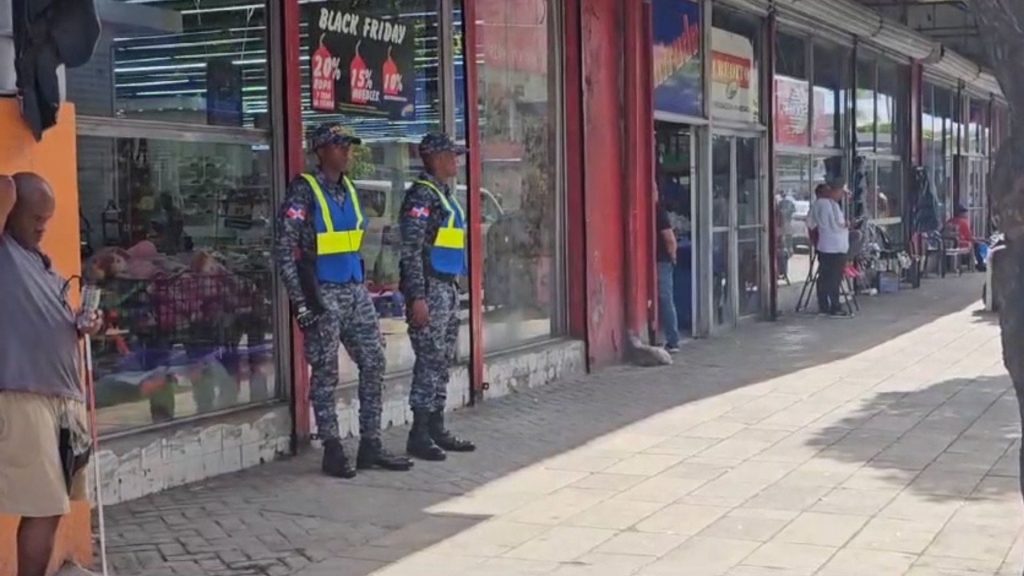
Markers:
(273, 138)
(812, 40)
(871, 154)
(974, 162)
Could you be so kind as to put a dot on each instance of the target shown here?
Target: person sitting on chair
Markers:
(961, 222)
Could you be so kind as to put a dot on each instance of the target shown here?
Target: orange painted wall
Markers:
(55, 158)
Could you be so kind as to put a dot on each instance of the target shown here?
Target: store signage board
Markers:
(677, 57)
(791, 111)
(733, 78)
(361, 61)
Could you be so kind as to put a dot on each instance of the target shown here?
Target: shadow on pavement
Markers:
(285, 518)
(953, 440)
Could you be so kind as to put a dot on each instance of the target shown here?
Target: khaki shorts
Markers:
(31, 478)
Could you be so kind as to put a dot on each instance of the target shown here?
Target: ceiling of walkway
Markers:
(947, 21)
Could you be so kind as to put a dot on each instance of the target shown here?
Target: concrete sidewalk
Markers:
(883, 445)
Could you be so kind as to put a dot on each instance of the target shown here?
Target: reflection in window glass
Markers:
(518, 91)
(749, 260)
(792, 204)
(792, 92)
(721, 180)
(831, 82)
(865, 103)
(888, 191)
(892, 100)
(180, 235)
(178, 62)
(978, 120)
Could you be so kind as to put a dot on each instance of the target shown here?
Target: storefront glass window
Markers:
(893, 99)
(735, 54)
(865, 102)
(678, 59)
(792, 92)
(888, 191)
(176, 215)
(831, 83)
(177, 62)
(977, 120)
(792, 204)
(188, 289)
(519, 87)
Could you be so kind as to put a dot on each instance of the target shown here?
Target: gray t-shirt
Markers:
(38, 337)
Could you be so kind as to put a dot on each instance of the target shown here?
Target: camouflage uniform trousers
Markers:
(435, 347)
(351, 320)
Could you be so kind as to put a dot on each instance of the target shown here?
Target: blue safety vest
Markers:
(339, 234)
(448, 254)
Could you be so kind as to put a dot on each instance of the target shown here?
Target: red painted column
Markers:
(476, 256)
(576, 216)
(638, 170)
(295, 163)
(602, 147)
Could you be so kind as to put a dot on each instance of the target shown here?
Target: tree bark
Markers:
(1002, 29)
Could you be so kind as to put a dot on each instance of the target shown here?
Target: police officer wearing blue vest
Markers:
(433, 227)
(318, 243)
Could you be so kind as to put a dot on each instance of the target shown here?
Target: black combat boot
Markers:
(421, 445)
(372, 454)
(336, 464)
(445, 439)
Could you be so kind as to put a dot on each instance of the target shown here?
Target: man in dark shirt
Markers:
(666, 257)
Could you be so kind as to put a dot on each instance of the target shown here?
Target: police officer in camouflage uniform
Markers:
(321, 230)
(433, 227)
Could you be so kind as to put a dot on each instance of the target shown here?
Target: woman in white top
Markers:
(833, 243)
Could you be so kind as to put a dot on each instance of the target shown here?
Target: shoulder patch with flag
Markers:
(420, 212)
(295, 212)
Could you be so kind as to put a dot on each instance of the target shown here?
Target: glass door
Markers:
(676, 177)
(749, 226)
(723, 186)
(738, 245)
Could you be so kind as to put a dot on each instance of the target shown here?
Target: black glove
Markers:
(306, 317)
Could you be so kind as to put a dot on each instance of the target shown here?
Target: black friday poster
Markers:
(361, 62)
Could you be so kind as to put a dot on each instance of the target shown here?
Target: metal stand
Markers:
(847, 290)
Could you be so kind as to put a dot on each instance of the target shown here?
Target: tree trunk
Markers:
(1002, 26)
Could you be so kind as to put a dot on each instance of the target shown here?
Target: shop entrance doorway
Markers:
(738, 241)
(676, 179)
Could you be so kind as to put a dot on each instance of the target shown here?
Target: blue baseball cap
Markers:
(435, 142)
(332, 133)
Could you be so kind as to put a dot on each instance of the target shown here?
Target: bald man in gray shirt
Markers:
(41, 395)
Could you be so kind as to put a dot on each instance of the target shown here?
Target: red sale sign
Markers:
(325, 69)
(392, 77)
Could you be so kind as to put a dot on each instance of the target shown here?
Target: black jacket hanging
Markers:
(48, 33)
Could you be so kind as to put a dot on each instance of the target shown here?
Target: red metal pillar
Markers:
(295, 163)
(476, 256)
(637, 155)
(576, 220)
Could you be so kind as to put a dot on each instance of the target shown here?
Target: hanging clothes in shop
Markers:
(47, 35)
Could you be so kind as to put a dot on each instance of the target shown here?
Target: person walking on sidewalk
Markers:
(666, 257)
(433, 227)
(321, 233)
(44, 439)
(826, 219)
